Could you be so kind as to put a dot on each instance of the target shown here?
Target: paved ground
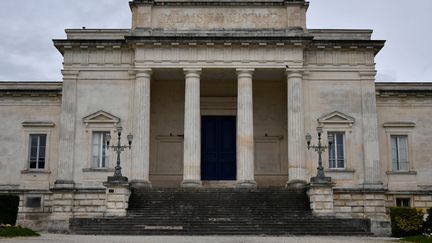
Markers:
(51, 238)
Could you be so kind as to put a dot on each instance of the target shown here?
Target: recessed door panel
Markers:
(218, 148)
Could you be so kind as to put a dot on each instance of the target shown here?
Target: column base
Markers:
(296, 184)
(117, 179)
(373, 185)
(140, 184)
(191, 184)
(246, 184)
(321, 180)
(64, 184)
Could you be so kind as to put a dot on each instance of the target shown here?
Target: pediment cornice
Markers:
(101, 117)
(336, 117)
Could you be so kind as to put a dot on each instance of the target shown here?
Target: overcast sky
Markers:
(27, 28)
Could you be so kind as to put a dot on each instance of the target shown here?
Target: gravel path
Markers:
(51, 238)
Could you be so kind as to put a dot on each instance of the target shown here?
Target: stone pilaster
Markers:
(192, 130)
(296, 141)
(245, 130)
(67, 131)
(141, 121)
(370, 131)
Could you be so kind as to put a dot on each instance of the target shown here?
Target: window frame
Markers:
(336, 156)
(400, 129)
(31, 128)
(100, 121)
(398, 160)
(403, 198)
(103, 145)
(29, 157)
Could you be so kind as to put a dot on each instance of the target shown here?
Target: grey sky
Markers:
(27, 27)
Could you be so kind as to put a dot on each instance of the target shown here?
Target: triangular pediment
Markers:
(336, 117)
(101, 117)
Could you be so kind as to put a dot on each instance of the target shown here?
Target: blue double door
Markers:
(218, 148)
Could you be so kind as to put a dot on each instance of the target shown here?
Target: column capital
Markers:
(294, 72)
(70, 74)
(245, 72)
(143, 72)
(192, 72)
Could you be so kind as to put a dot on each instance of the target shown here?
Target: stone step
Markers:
(220, 212)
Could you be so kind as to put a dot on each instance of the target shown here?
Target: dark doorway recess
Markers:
(218, 148)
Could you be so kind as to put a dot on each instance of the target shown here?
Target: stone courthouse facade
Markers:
(215, 94)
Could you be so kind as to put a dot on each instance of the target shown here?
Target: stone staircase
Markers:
(219, 212)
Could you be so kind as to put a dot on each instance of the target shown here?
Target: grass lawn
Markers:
(16, 232)
(419, 239)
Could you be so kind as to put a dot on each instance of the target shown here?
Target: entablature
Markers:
(31, 89)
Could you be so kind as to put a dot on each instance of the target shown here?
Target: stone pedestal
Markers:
(117, 199)
(321, 199)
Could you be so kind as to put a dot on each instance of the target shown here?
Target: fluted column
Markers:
(296, 146)
(192, 130)
(67, 131)
(245, 133)
(141, 124)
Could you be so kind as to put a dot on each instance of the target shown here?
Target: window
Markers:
(99, 150)
(403, 202)
(33, 202)
(399, 148)
(37, 151)
(337, 151)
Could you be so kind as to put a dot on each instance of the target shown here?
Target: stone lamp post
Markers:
(320, 190)
(320, 177)
(118, 177)
(117, 186)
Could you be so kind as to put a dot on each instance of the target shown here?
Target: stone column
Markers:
(141, 123)
(296, 140)
(67, 131)
(245, 130)
(192, 130)
(370, 131)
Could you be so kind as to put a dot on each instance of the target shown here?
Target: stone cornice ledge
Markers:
(98, 170)
(359, 190)
(218, 3)
(340, 170)
(399, 124)
(411, 172)
(38, 124)
(35, 172)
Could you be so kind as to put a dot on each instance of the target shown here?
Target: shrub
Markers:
(15, 231)
(8, 208)
(406, 221)
(427, 225)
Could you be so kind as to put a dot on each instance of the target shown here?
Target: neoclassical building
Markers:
(216, 94)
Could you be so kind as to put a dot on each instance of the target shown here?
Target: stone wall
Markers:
(89, 204)
(44, 210)
(34, 216)
(359, 204)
